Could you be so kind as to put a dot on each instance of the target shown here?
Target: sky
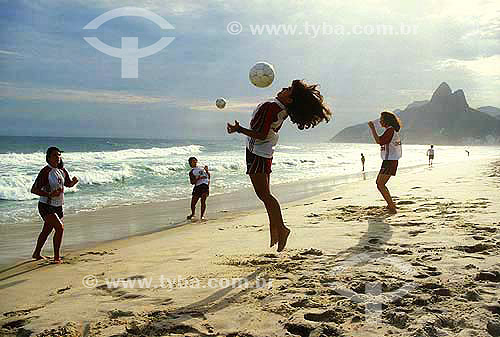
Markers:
(54, 83)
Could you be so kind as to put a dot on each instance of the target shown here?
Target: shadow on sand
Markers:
(377, 235)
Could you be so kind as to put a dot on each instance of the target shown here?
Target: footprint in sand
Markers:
(116, 313)
(405, 202)
(22, 312)
(62, 290)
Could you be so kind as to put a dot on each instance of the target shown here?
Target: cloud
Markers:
(234, 106)
(8, 52)
(482, 66)
(72, 95)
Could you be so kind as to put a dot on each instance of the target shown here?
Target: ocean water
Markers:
(115, 172)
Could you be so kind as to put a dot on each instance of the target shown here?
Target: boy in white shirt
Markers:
(200, 178)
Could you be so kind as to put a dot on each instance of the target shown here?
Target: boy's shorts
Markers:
(389, 167)
(199, 190)
(46, 209)
(258, 164)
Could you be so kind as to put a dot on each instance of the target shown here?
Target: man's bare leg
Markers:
(194, 201)
(203, 205)
(42, 238)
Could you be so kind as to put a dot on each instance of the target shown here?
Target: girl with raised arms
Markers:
(390, 152)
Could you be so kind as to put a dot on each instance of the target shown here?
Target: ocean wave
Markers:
(16, 187)
(165, 169)
(100, 176)
(228, 167)
(286, 147)
(37, 159)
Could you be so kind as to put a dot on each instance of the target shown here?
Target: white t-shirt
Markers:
(391, 150)
(200, 172)
(270, 114)
(430, 152)
(50, 179)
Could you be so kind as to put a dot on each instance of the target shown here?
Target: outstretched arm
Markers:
(374, 132)
(247, 132)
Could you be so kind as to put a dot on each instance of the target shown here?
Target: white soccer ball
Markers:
(220, 103)
(262, 74)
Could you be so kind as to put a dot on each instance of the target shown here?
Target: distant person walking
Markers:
(49, 185)
(390, 151)
(200, 178)
(430, 154)
(363, 162)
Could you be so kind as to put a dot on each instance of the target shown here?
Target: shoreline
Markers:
(171, 216)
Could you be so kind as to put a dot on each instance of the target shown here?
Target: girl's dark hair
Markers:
(191, 159)
(308, 108)
(49, 153)
(391, 119)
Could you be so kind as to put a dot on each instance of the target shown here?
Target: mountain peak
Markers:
(460, 97)
(442, 91)
(447, 111)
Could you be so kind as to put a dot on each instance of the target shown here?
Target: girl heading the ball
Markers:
(304, 104)
(390, 151)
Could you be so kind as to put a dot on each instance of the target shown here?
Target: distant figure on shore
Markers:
(430, 154)
(390, 151)
(468, 154)
(49, 185)
(200, 178)
(363, 162)
(304, 104)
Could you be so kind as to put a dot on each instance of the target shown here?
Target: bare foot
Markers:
(392, 210)
(283, 238)
(57, 261)
(274, 237)
(39, 257)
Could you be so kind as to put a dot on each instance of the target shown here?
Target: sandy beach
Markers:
(349, 269)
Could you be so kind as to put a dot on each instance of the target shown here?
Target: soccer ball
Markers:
(262, 74)
(220, 103)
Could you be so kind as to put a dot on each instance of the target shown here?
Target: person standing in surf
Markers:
(430, 154)
(49, 185)
(304, 104)
(390, 151)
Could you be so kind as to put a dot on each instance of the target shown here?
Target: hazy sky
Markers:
(54, 83)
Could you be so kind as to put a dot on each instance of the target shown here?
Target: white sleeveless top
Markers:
(265, 148)
(393, 150)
